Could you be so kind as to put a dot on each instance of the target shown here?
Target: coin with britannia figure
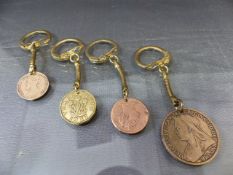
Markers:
(129, 116)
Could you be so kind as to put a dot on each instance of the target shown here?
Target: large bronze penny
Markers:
(129, 116)
(78, 107)
(190, 137)
(32, 87)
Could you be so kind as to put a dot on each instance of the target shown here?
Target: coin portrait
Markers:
(129, 116)
(78, 107)
(32, 87)
(190, 137)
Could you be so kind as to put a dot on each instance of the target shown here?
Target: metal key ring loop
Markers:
(66, 55)
(104, 57)
(166, 58)
(38, 43)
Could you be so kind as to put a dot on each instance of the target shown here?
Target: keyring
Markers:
(77, 106)
(166, 58)
(34, 84)
(104, 57)
(66, 55)
(183, 125)
(128, 115)
(38, 43)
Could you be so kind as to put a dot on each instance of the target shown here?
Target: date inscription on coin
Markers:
(32, 87)
(129, 116)
(78, 107)
(190, 137)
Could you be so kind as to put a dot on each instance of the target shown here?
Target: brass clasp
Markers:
(155, 64)
(104, 57)
(161, 65)
(34, 45)
(110, 56)
(72, 55)
(68, 54)
(25, 40)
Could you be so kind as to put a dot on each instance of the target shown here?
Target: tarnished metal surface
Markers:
(34, 140)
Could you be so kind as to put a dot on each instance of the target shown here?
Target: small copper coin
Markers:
(190, 137)
(78, 107)
(32, 87)
(129, 116)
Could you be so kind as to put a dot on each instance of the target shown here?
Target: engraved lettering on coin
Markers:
(190, 137)
(129, 117)
(78, 107)
(32, 87)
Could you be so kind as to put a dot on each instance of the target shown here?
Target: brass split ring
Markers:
(67, 55)
(166, 58)
(24, 44)
(104, 57)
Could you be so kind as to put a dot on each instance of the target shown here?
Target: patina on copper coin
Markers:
(32, 86)
(129, 116)
(190, 137)
(78, 107)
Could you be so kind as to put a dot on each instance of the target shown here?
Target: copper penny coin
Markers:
(190, 137)
(129, 116)
(32, 87)
(78, 107)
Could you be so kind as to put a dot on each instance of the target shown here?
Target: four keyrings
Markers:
(187, 134)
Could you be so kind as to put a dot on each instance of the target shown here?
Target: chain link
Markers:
(163, 69)
(177, 103)
(76, 85)
(113, 59)
(125, 93)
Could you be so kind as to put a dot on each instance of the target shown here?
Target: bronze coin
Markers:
(78, 107)
(32, 87)
(190, 137)
(129, 116)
